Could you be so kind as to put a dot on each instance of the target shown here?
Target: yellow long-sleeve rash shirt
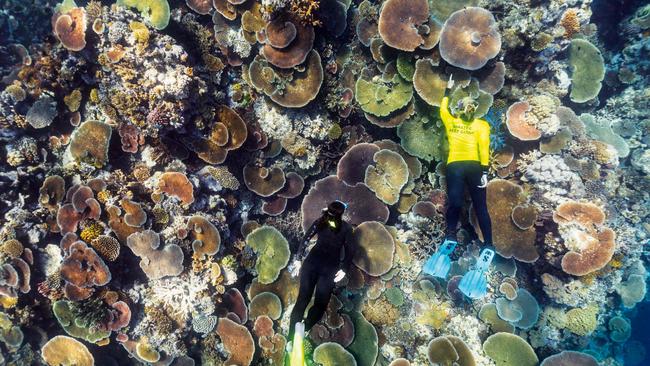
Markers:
(467, 140)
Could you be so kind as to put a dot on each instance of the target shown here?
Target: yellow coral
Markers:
(160, 216)
(306, 11)
(91, 231)
(73, 100)
(12, 248)
(570, 22)
(140, 32)
(8, 302)
(103, 196)
(16, 92)
(94, 95)
(434, 315)
(582, 321)
(617, 261)
(334, 132)
(380, 312)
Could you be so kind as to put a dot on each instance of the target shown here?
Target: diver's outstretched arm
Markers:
(445, 114)
(302, 246)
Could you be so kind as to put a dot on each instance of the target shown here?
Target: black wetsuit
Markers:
(459, 175)
(320, 266)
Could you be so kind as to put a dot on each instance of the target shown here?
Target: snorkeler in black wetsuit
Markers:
(323, 266)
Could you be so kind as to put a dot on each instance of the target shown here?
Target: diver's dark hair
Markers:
(336, 208)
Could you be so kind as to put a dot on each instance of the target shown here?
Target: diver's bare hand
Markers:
(339, 275)
(294, 268)
(484, 181)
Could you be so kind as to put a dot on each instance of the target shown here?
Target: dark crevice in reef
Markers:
(608, 15)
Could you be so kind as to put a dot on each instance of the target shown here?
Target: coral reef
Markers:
(161, 161)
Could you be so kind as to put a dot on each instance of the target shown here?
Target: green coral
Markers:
(642, 17)
(265, 303)
(405, 66)
(430, 82)
(507, 349)
(620, 329)
(380, 97)
(489, 315)
(395, 296)
(422, 136)
(632, 291)
(75, 323)
(272, 251)
(65, 6)
(582, 321)
(588, 70)
(603, 132)
(156, 12)
(441, 10)
(365, 345)
(11, 335)
(333, 354)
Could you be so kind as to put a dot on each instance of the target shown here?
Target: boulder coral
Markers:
(293, 92)
(83, 269)
(90, 141)
(177, 185)
(352, 166)
(518, 125)
(206, 238)
(237, 341)
(570, 358)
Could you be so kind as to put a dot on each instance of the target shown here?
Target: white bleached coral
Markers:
(553, 179)
(277, 122)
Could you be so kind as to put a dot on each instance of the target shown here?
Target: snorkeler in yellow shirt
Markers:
(467, 165)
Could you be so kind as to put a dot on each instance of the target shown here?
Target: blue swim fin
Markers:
(439, 264)
(474, 282)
